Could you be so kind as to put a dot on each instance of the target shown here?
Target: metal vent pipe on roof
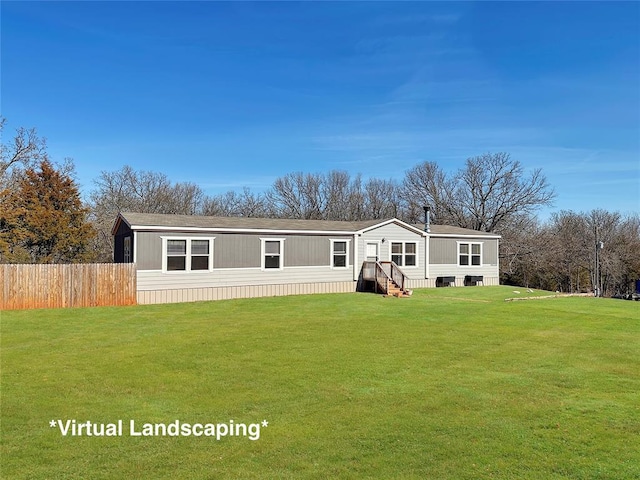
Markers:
(427, 219)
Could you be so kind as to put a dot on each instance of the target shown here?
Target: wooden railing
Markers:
(397, 275)
(383, 273)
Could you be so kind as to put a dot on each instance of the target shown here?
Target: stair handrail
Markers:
(397, 275)
(382, 277)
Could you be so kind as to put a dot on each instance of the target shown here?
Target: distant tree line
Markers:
(42, 218)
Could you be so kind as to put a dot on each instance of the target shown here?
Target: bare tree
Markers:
(493, 188)
(232, 204)
(25, 150)
(381, 199)
(427, 184)
(138, 191)
(563, 253)
(569, 255)
(335, 192)
(618, 262)
(519, 247)
(490, 191)
(298, 195)
(333, 196)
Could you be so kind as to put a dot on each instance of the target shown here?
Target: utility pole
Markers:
(598, 274)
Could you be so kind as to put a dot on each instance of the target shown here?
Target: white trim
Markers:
(256, 269)
(185, 229)
(188, 255)
(356, 245)
(134, 245)
(427, 257)
(271, 231)
(331, 253)
(263, 242)
(470, 254)
(393, 220)
(378, 248)
(462, 235)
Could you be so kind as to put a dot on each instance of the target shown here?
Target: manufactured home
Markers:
(183, 258)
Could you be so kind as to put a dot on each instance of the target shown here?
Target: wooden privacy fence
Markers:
(72, 285)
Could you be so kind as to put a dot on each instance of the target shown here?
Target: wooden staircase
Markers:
(393, 290)
(387, 278)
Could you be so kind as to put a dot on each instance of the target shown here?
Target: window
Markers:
(339, 253)
(187, 254)
(272, 253)
(127, 250)
(404, 254)
(476, 256)
(470, 254)
(396, 253)
(410, 254)
(199, 254)
(176, 255)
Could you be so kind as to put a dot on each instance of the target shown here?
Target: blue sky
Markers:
(235, 94)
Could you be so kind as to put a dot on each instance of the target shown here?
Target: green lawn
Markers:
(451, 383)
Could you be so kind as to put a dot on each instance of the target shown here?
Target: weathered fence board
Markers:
(59, 286)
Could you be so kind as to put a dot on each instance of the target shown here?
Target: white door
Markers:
(372, 252)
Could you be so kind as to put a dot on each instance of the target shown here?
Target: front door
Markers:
(372, 252)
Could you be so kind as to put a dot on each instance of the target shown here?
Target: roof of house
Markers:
(201, 221)
(156, 221)
(455, 231)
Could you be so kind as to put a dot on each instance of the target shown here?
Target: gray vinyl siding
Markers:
(444, 251)
(243, 251)
(300, 251)
(149, 247)
(232, 250)
(490, 252)
(236, 251)
(444, 260)
(393, 232)
(310, 250)
(148, 250)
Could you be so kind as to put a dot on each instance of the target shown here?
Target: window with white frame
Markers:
(404, 254)
(272, 253)
(176, 254)
(187, 254)
(200, 254)
(339, 253)
(127, 250)
(470, 254)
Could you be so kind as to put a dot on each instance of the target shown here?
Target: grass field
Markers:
(448, 384)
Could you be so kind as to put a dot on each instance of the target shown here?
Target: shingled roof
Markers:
(200, 221)
(457, 231)
(141, 221)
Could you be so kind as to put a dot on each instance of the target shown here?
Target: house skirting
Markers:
(431, 282)
(179, 295)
